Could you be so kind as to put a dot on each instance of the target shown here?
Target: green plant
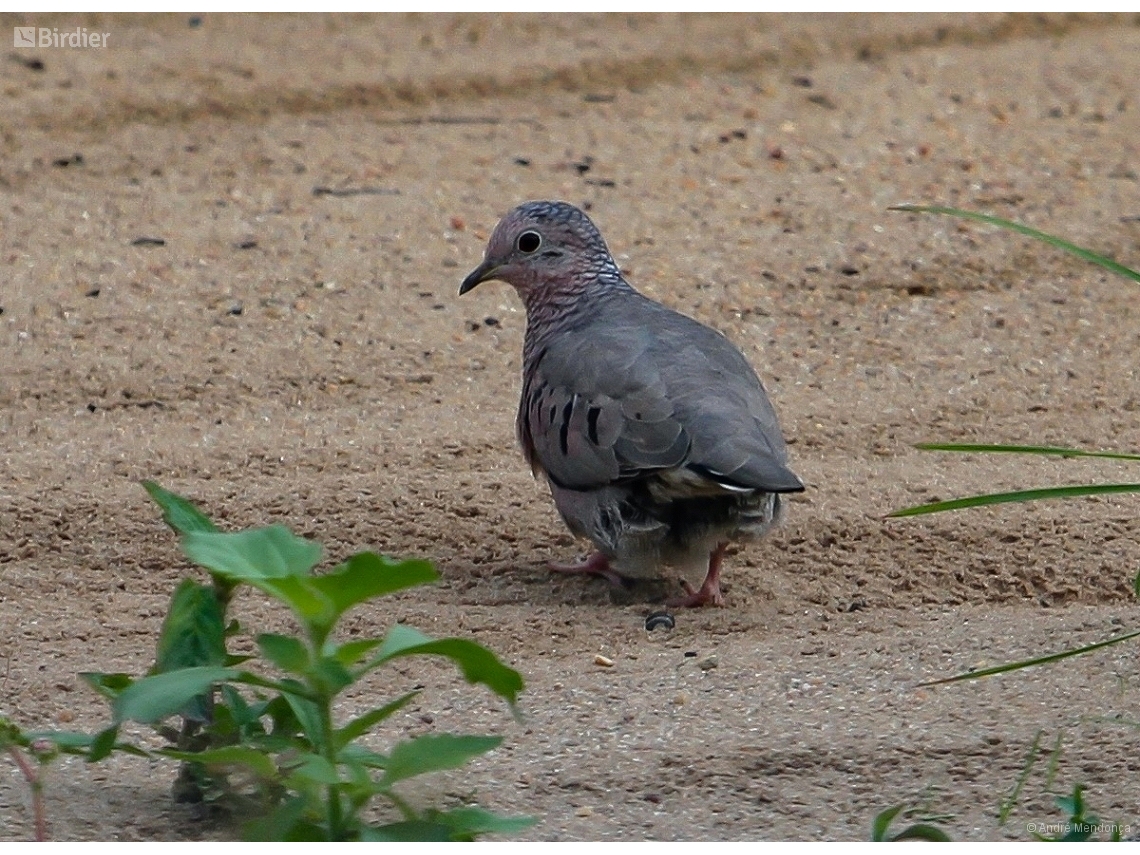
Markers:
(1067, 491)
(1080, 825)
(19, 746)
(265, 739)
(922, 830)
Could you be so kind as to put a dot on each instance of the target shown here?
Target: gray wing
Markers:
(652, 392)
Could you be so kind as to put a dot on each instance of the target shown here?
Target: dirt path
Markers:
(301, 357)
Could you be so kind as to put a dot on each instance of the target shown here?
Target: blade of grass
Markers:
(1079, 252)
(1010, 801)
(1016, 496)
(1054, 764)
(1028, 663)
(982, 448)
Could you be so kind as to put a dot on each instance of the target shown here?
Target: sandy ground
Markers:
(294, 356)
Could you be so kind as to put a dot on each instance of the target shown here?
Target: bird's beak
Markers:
(482, 273)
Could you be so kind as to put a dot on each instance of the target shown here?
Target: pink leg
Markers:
(709, 592)
(597, 564)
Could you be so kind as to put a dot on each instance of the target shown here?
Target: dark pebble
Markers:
(805, 82)
(148, 241)
(235, 309)
(491, 321)
(247, 244)
(660, 620)
(522, 161)
(62, 162)
(94, 292)
(194, 21)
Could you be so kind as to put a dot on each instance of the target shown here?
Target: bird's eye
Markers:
(529, 242)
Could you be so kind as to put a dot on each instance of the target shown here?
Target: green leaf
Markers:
(255, 555)
(880, 828)
(446, 826)
(478, 664)
(882, 822)
(110, 686)
(922, 831)
(351, 652)
(308, 715)
(273, 560)
(329, 677)
(152, 699)
(1017, 496)
(314, 768)
(246, 757)
(362, 724)
(1080, 252)
(284, 823)
(476, 820)
(358, 755)
(284, 651)
(1029, 663)
(408, 831)
(177, 512)
(103, 744)
(433, 752)
(70, 741)
(981, 448)
(367, 575)
(193, 632)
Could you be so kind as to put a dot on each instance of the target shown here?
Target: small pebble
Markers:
(604, 661)
(76, 159)
(660, 620)
(708, 663)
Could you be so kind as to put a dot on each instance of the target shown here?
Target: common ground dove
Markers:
(656, 436)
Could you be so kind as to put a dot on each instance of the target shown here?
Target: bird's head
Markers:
(542, 247)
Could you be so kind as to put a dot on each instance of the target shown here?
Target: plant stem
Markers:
(37, 787)
(328, 749)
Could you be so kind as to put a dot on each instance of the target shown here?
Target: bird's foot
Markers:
(707, 594)
(598, 564)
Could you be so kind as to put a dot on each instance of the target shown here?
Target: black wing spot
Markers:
(564, 431)
(592, 423)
